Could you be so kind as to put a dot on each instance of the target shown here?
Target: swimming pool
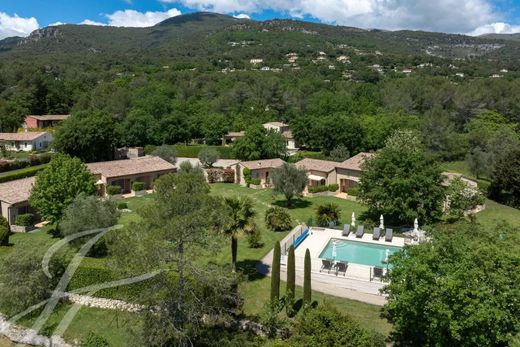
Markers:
(358, 252)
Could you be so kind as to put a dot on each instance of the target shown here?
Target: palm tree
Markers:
(327, 213)
(242, 214)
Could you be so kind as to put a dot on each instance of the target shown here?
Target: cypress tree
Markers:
(275, 274)
(307, 279)
(291, 276)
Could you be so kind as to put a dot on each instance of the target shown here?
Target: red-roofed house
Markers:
(319, 172)
(349, 171)
(125, 172)
(14, 198)
(45, 121)
(260, 169)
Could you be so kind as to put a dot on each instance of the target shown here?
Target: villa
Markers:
(27, 141)
(124, 173)
(349, 172)
(45, 121)
(320, 172)
(14, 198)
(232, 136)
(261, 170)
(325, 172)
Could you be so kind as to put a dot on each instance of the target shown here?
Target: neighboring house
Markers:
(260, 169)
(46, 121)
(14, 198)
(219, 164)
(349, 172)
(277, 126)
(256, 61)
(125, 172)
(26, 141)
(292, 145)
(232, 136)
(319, 172)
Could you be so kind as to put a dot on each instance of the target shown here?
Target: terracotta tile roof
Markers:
(263, 164)
(25, 136)
(317, 165)
(128, 167)
(50, 117)
(17, 191)
(356, 161)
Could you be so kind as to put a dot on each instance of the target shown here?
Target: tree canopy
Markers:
(460, 289)
(402, 182)
(289, 181)
(59, 184)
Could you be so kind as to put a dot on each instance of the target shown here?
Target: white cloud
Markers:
(242, 16)
(16, 25)
(132, 18)
(495, 28)
(91, 22)
(458, 16)
(56, 24)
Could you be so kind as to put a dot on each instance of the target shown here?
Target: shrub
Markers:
(254, 236)
(113, 189)
(333, 187)
(354, 191)
(34, 160)
(278, 219)
(122, 205)
(167, 153)
(45, 158)
(138, 186)
(314, 329)
(4, 166)
(94, 340)
(255, 181)
(228, 176)
(19, 164)
(247, 175)
(25, 219)
(327, 214)
(214, 175)
(4, 231)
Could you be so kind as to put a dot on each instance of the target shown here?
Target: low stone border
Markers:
(28, 336)
(102, 303)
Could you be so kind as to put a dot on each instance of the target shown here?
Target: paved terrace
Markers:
(356, 283)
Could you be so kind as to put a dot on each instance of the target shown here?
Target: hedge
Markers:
(24, 220)
(28, 172)
(354, 191)
(138, 186)
(122, 205)
(324, 188)
(113, 189)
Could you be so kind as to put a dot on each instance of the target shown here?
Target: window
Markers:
(25, 144)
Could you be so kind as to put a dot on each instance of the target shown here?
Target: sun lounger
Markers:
(360, 231)
(377, 234)
(377, 272)
(389, 234)
(326, 264)
(346, 230)
(341, 267)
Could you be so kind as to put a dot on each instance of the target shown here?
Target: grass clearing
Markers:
(496, 213)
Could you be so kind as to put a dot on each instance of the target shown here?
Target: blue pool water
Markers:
(358, 252)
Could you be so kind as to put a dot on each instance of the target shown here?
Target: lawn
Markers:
(496, 213)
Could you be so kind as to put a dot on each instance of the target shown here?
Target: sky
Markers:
(472, 17)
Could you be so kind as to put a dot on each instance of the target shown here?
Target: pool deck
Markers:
(356, 284)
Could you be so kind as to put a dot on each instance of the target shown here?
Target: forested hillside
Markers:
(192, 78)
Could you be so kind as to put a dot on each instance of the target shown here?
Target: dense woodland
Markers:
(190, 79)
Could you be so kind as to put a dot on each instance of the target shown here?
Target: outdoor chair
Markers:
(377, 234)
(377, 272)
(389, 235)
(341, 267)
(326, 264)
(346, 230)
(360, 231)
